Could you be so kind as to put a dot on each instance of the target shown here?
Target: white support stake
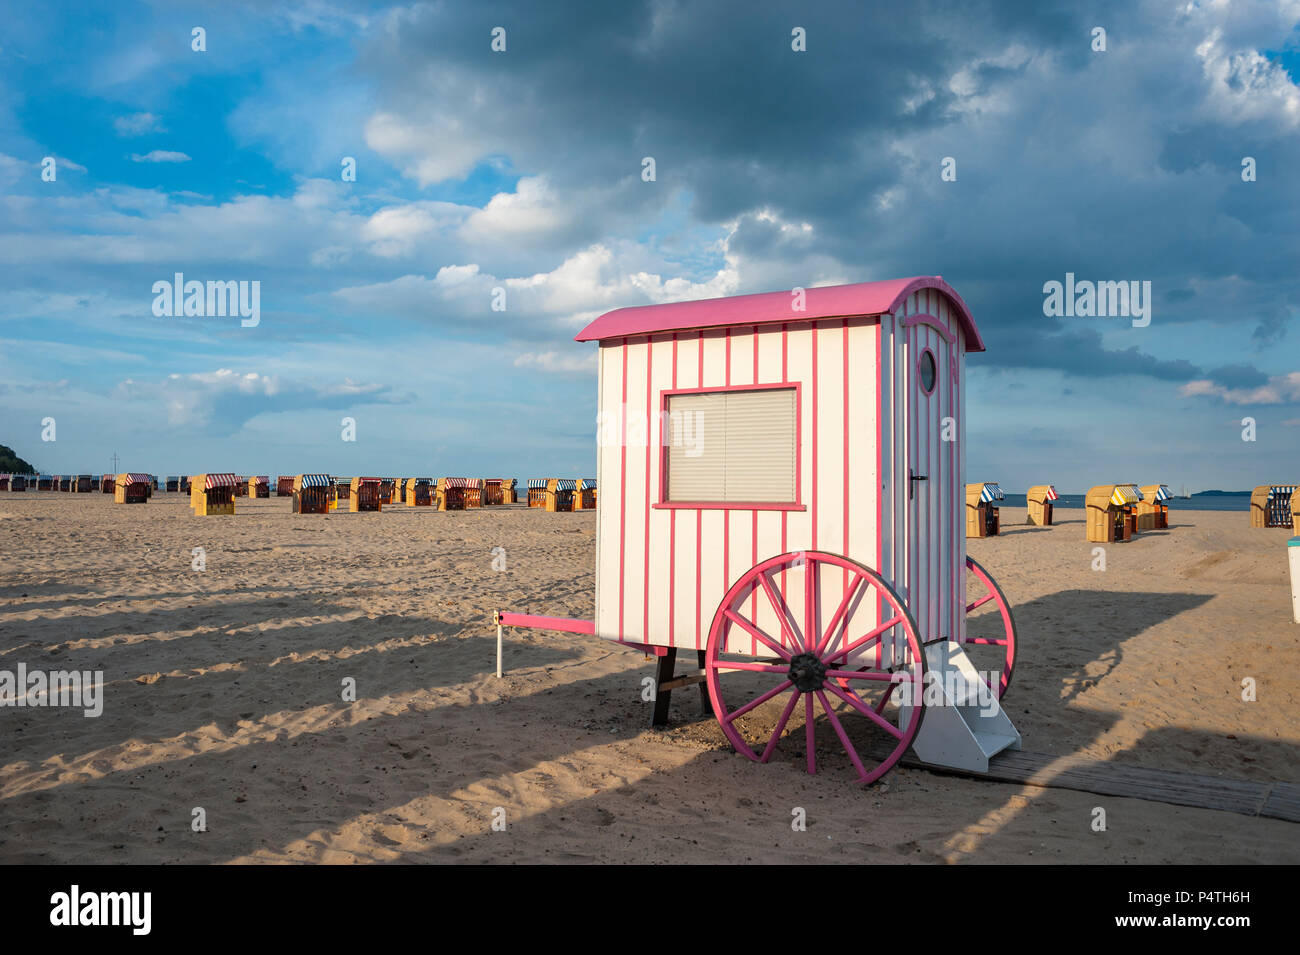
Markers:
(498, 651)
(1293, 556)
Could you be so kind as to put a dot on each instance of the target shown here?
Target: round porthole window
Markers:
(927, 371)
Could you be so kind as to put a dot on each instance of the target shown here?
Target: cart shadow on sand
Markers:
(204, 651)
(1048, 692)
(52, 590)
(411, 780)
(62, 597)
(788, 779)
(729, 795)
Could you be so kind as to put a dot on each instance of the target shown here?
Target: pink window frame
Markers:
(796, 505)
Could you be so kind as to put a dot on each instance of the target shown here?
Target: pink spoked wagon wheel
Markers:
(765, 661)
(990, 641)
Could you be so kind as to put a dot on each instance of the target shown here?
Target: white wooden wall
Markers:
(661, 573)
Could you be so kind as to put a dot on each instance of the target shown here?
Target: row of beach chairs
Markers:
(323, 493)
(983, 517)
(250, 486)
(1114, 512)
(215, 493)
(1117, 511)
(68, 483)
(562, 494)
(141, 485)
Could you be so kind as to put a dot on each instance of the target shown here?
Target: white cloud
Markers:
(393, 231)
(221, 401)
(334, 19)
(1243, 84)
(137, 124)
(580, 362)
(12, 168)
(532, 209)
(160, 155)
(152, 230)
(578, 289)
(972, 96)
(443, 147)
(1280, 389)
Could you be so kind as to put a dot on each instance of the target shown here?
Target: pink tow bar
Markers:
(563, 624)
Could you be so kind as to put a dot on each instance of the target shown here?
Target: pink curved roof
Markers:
(833, 301)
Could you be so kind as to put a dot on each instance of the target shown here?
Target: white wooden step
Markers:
(960, 733)
(991, 743)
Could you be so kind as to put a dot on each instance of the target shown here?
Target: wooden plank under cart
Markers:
(1177, 787)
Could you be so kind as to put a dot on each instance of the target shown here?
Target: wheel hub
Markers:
(807, 672)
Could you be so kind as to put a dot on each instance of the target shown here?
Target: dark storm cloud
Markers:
(1114, 166)
(1238, 376)
(712, 91)
(1081, 353)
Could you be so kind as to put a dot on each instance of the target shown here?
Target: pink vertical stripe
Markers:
(816, 426)
(922, 516)
(699, 519)
(943, 577)
(622, 499)
(959, 532)
(924, 429)
(845, 424)
(914, 440)
(922, 608)
(880, 473)
(939, 493)
(923, 425)
(934, 520)
(753, 600)
(727, 348)
(649, 416)
(959, 549)
(699, 567)
(899, 424)
(726, 515)
(809, 598)
(672, 542)
(785, 377)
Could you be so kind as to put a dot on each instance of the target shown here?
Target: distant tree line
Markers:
(11, 463)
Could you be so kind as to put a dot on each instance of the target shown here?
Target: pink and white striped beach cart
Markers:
(784, 496)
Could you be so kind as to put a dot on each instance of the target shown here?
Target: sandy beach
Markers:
(223, 693)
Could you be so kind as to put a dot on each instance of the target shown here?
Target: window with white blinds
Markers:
(732, 447)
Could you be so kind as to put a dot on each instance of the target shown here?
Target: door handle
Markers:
(912, 478)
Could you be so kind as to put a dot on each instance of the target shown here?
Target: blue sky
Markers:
(521, 170)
